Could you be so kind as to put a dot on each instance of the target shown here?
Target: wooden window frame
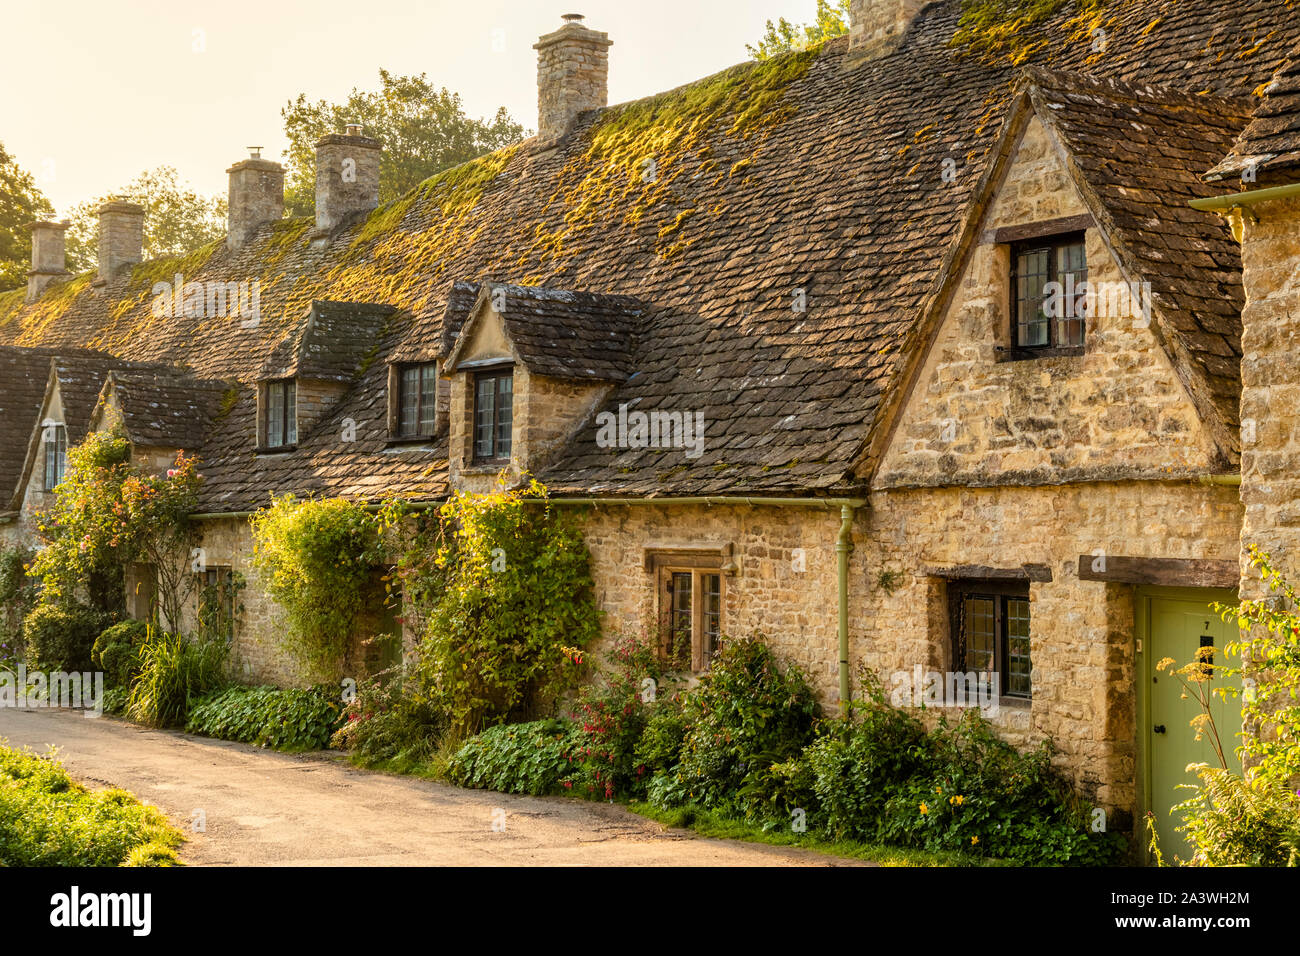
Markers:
(498, 374)
(1052, 347)
(225, 594)
(425, 370)
(60, 453)
(703, 644)
(288, 411)
(999, 591)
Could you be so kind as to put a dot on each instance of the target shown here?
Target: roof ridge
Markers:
(1144, 93)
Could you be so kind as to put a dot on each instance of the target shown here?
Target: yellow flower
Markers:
(924, 809)
(959, 799)
(974, 840)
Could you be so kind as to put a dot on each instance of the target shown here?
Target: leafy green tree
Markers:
(424, 130)
(21, 202)
(177, 220)
(832, 20)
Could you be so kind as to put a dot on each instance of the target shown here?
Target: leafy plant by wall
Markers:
(317, 559)
(510, 597)
(289, 719)
(175, 673)
(60, 637)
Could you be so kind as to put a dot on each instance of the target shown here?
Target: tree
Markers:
(423, 131)
(21, 202)
(177, 220)
(832, 20)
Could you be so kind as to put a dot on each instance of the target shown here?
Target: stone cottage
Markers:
(970, 363)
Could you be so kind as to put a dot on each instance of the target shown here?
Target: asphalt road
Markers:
(261, 808)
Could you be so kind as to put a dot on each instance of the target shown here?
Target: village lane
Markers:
(262, 808)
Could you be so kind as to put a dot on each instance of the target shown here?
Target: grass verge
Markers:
(48, 819)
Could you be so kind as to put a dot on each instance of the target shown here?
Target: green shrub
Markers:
(48, 820)
(861, 759)
(280, 719)
(975, 793)
(533, 758)
(748, 713)
(317, 558)
(60, 637)
(117, 652)
(174, 674)
(613, 711)
(509, 605)
(389, 719)
(1230, 821)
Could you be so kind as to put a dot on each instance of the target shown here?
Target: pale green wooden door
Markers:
(1178, 629)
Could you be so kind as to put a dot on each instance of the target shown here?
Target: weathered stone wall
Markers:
(1117, 411)
(1270, 391)
(1081, 632)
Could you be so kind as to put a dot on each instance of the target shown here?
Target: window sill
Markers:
(410, 439)
(1004, 353)
(484, 466)
(278, 450)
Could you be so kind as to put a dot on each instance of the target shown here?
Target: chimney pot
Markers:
(121, 237)
(48, 256)
(572, 76)
(347, 177)
(255, 197)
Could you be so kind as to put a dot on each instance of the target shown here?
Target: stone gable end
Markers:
(974, 417)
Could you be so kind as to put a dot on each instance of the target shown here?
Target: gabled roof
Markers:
(813, 171)
(77, 375)
(576, 336)
(330, 342)
(1272, 140)
(24, 374)
(163, 407)
(1137, 153)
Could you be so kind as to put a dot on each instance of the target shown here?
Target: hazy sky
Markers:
(96, 92)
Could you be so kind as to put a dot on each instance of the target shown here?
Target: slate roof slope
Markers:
(165, 408)
(564, 334)
(1139, 152)
(1271, 143)
(816, 171)
(24, 375)
(330, 343)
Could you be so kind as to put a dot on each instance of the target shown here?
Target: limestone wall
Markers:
(1270, 392)
(1117, 411)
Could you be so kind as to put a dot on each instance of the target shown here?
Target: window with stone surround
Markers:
(990, 633)
(690, 584)
(216, 603)
(56, 454)
(417, 400)
(493, 414)
(1048, 305)
(279, 414)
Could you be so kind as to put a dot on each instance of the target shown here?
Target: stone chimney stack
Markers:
(121, 237)
(876, 26)
(347, 177)
(48, 261)
(572, 76)
(256, 197)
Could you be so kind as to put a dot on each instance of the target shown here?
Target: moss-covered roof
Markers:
(713, 204)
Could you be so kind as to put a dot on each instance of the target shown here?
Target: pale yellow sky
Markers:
(96, 92)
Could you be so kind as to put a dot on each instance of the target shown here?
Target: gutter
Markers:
(843, 544)
(1233, 481)
(1249, 198)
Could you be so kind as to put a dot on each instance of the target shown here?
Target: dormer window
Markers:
(280, 415)
(493, 414)
(1048, 295)
(56, 454)
(417, 400)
